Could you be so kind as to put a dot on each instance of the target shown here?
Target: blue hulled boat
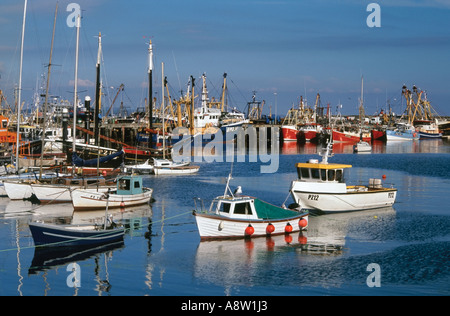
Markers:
(74, 235)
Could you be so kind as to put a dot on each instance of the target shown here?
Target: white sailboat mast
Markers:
(19, 99)
(75, 97)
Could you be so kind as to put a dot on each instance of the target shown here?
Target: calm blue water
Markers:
(162, 255)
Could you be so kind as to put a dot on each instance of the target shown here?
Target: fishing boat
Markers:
(289, 127)
(427, 129)
(321, 187)
(349, 136)
(59, 190)
(128, 192)
(233, 216)
(167, 166)
(361, 147)
(402, 131)
(311, 131)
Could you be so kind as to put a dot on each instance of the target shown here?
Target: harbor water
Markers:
(407, 246)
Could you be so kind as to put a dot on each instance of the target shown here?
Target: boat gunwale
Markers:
(250, 220)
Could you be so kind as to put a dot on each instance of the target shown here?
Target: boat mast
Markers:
(163, 114)
(224, 88)
(75, 97)
(191, 117)
(150, 85)
(46, 92)
(97, 90)
(20, 85)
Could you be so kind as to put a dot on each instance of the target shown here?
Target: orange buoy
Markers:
(249, 230)
(270, 229)
(288, 228)
(288, 239)
(302, 240)
(384, 176)
(303, 223)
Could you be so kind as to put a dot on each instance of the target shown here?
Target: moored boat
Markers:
(166, 166)
(59, 190)
(362, 146)
(129, 192)
(321, 187)
(402, 131)
(235, 216)
(74, 235)
(346, 136)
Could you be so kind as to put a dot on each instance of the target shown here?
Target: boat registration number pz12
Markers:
(313, 197)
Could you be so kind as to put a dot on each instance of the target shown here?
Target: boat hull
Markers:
(175, 170)
(349, 137)
(72, 235)
(354, 200)
(213, 227)
(289, 133)
(88, 200)
(18, 190)
(430, 135)
(59, 193)
(400, 136)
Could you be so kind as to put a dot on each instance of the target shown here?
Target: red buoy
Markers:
(302, 240)
(270, 229)
(303, 223)
(249, 230)
(122, 204)
(288, 228)
(384, 176)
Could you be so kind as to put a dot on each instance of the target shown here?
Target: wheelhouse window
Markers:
(303, 173)
(225, 207)
(315, 174)
(242, 208)
(339, 175)
(323, 174)
(331, 174)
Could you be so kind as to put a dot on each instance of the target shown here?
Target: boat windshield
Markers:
(225, 207)
(315, 174)
(242, 208)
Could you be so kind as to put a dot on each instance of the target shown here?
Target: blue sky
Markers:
(292, 48)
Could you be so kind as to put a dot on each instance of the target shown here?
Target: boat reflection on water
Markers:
(327, 232)
(48, 258)
(233, 263)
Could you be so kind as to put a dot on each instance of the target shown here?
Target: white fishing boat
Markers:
(129, 192)
(402, 131)
(59, 190)
(236, 216)
(167, 166)
(321, 186)
(361, 147)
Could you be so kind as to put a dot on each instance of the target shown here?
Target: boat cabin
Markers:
(313, 171)
(234, 208)
(128, 185)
